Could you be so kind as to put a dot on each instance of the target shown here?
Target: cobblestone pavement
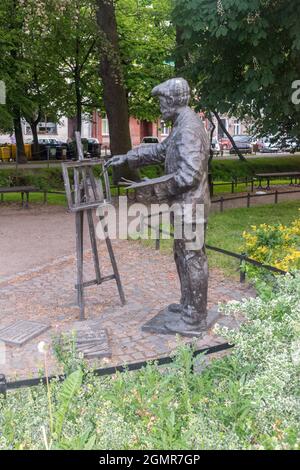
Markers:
(149, 281)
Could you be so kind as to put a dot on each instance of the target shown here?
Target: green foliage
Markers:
(226, 170)
(65, 350)
(276, 245)
(72, 38)
(147, 40)
(67, 393)
(50, 59)
(256, 80)
(247, 400)
(44, 179)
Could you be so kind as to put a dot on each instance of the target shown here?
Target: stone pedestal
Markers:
(170, 323)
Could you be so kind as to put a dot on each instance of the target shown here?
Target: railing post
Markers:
(211, 184)
(3, 385)
(242, 269)
(232, 187)
(157, 239)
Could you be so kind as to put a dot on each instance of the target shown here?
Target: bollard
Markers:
(3, 385)
(276, 196)
(248, 200)
(222, 204)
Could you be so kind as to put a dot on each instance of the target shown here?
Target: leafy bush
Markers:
(222, 170)
(247, 400)
(276, 245)
(42, 178)
(226, 170)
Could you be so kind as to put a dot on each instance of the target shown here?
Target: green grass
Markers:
(225, 230)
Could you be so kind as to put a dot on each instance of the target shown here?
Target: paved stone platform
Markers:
(150, 283)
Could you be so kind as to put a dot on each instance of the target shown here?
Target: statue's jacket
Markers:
(185, 153)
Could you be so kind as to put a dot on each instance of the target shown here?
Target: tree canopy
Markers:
(50, 57)
(147, 41)
(243, 56)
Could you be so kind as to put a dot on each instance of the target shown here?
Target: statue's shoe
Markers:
(175, 308)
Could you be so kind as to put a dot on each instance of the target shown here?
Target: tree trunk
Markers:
(179, 58)
(78, 103)
(213, 127)
(238, 152)
(114, 92)
(35, 139)
(21, 157)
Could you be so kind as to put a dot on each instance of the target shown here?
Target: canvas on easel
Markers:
(84, 193)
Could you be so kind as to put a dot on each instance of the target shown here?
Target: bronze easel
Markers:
(88, 195)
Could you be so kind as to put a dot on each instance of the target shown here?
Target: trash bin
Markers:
(5, 154)
(28, 154)
(94, 149)
(64, 153)
(13, 151)
(52, 153)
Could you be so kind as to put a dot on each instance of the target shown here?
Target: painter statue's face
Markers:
(167, 108)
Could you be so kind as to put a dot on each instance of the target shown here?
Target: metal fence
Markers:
(242, 257)
(107, 371)
(222, 200)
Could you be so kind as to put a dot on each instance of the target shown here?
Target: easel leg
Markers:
(94, 245)
(79, 253)
(113, 262)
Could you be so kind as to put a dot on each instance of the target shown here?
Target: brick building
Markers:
(97, 127)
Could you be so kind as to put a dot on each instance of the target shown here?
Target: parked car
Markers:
(148, 140)
(225, 143)
(49, 141)
(291, 146)
(93, 140)
(215, 146)
(269, 146)
(243, 143)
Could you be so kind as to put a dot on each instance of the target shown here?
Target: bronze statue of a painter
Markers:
(185, 154)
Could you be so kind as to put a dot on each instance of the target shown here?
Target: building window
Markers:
(105, 126)
(237, 127)
(165, 130)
